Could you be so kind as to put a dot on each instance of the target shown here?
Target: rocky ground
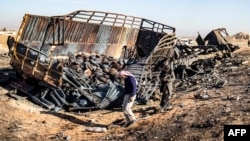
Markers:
(192, 118)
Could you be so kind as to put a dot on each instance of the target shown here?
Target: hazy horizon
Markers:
(187, 16)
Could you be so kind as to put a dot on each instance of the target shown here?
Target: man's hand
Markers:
(132, 98)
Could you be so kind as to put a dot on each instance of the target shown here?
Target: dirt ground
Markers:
(190, 119)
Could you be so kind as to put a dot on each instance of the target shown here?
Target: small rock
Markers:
(68, 138)
(96, 129)
(245, 62)
(234, 68)
(238, 98)
(181, 105)
(228, 109)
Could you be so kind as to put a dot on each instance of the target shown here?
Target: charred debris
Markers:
(71, 61)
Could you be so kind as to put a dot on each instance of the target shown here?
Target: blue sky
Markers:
(187, 16)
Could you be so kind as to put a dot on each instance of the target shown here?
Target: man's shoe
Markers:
(169, 107)
(162, 110)
(130, 123)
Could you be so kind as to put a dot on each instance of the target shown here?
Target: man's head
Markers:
(124, 74)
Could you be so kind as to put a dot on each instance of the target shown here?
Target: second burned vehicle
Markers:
(71, 61)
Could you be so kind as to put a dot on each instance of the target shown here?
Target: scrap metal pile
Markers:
(72, 61)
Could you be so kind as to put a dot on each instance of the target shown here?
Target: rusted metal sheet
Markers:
(92, 32)
(32, 28)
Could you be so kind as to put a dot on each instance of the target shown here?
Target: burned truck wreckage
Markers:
(72, 61)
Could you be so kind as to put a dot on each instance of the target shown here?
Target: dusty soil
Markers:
(190, 119)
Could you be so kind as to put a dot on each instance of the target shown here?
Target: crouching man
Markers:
(129, 98)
